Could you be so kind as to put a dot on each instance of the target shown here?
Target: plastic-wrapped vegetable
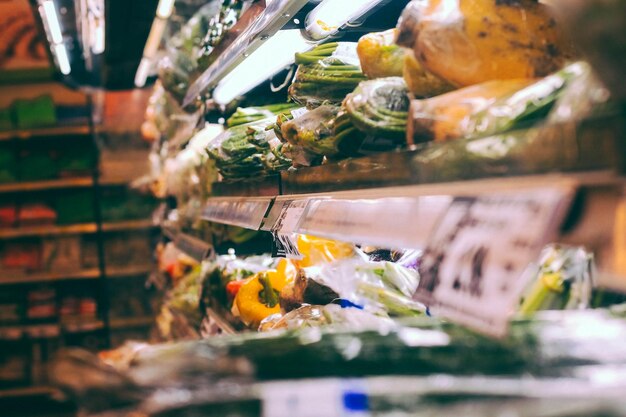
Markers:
(378, 108)
(419, 81)
(379, 55)
(227, 16)
(248, 150)
(488, 108)
(189, 175)
(179, 62)
(326, 74)
(313, 131)
(247, 115)
(180, 315)
(565, 278)
(466, 42)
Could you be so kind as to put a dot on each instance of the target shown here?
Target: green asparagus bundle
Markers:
(246, 151)
(247, 115)
(373, 118)
(326, 74)
(314, 131)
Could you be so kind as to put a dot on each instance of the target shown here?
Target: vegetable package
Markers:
(379, 55)
(372, 119)
(248, 150)
(488, 108)
(326, 74)
(466, 42)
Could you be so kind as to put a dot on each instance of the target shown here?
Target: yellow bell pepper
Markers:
(258, 298)
(316, 250)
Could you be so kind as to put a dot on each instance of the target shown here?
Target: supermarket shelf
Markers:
(128, 225)
(128, 271)
(27, 392)
(266, 24)
(584, 146)
(80, 182)
(81, 326)
(50, 230)
(48, 331)
(131, 322)
(405, 216)
(46, 132)
(49, 277)
(75, 229)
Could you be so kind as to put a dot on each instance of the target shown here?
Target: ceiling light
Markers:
(62, 59)
(52, 20)
(270, 58)
(331, 15)
(165, 8)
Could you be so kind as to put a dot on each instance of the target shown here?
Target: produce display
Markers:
(195, 40)
(472, 89)
(387, 369)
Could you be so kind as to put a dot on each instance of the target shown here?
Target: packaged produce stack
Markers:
(292, 323)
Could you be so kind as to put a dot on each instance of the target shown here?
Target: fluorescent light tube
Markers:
(62, 59)
(270, 58)
(165, 8)
(330, 15)
(142, 72)
(52, 19)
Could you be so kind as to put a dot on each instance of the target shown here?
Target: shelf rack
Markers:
(32, 186)
(75, 229)
(79, 130)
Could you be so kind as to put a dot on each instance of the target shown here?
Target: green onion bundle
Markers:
(248, 151)
(326, 74)
(253, 114)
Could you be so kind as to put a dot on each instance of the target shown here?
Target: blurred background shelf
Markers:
(49, 277)
(128, 271)
(129, 225)
(36, 391)
(79, 182)
(46, 132)
(130, 322)
(50, 230)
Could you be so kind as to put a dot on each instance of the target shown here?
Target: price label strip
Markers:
(376, 221)
(475, 266)
(313, 398)
(193, 247)
(288, 215)
(248, 213)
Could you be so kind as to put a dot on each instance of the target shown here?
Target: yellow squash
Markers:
(444, 117)
(467, 42)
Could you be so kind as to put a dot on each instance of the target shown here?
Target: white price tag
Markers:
(314, 398)
(248, 213)
(346, 53)
(375, 222)
(299, 112)
(473, 270)
(285, 227)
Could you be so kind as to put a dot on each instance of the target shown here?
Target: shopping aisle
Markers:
(324, 208)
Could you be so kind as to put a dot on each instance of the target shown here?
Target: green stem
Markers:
(268, 295)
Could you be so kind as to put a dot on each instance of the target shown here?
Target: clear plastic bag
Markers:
(466, 42)
(564, 280)
(326, 74)
(380, 57)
